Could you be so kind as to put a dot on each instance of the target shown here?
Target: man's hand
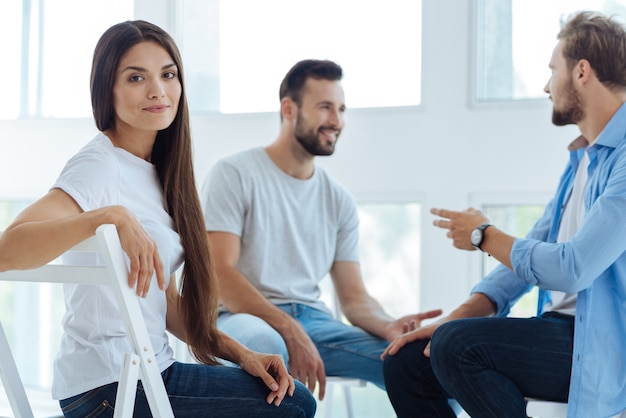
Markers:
(422, 333)
(305, 362)
(271, 369)
(459, 225)
(408, 323)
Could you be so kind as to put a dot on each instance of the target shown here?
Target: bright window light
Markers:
(515, 40)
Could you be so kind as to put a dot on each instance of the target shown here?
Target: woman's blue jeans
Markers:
(197, 390)
(487, 364)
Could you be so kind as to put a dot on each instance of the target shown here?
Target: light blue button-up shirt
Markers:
(591, 264)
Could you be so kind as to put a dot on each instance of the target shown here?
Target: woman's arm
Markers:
(55, 223)
(173, 318)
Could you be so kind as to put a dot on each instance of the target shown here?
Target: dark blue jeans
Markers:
(487, 364)
(197, 390)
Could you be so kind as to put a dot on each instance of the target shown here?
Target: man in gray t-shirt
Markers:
(278, 224)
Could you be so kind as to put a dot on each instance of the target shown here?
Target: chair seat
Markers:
(538, 408)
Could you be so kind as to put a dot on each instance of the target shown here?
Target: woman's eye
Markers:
(135, 78)
(169, 74)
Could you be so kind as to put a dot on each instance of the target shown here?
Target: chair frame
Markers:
(347, 383)
(138, 365)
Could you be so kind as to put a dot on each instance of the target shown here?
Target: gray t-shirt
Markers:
(291, 230)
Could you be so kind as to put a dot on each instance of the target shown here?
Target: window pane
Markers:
(260, 40)
(389, 248)
(68, 51)
(10, 28)
(515, 220)
(515, 39)
(51, 54)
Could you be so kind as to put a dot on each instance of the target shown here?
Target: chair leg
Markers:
(11, 380)
(347, 399)
(328, 401)
(347, 394)
(127, 387)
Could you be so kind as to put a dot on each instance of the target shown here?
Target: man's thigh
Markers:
(534, 353)
(346, 350)
(253, 332)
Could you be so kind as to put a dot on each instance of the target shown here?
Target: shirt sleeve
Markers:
(573, 265)
(223, 199)
(348, 230)
(91, 179)
(503, 286)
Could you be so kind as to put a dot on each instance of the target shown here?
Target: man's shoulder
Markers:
(332, 183)
(243, 159)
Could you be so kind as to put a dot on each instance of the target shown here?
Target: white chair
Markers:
(537, 408)
(346, 383)
(110, 270)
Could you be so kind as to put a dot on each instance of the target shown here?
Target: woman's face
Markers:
(147, 89)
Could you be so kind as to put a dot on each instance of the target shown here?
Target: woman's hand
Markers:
(142, 252)
(271, 369)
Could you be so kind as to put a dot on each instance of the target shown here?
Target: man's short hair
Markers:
(599, 39)
(294, 81)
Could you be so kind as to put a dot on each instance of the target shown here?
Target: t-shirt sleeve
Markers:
(91, 179)
(348, 231)
(223, 199)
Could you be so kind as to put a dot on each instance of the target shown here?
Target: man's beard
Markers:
(310, 140)
(573, 112)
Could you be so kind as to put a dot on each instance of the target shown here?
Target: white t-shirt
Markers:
(94, 339)
(291, 230)
(573, 216)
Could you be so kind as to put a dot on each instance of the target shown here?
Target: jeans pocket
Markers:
(92, 404)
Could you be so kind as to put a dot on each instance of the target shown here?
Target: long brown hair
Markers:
(171, 155)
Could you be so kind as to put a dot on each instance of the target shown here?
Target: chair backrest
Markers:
(99, 260)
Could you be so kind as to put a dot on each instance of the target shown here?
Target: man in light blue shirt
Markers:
(575, 351)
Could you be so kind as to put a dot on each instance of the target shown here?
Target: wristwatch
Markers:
(478, 235)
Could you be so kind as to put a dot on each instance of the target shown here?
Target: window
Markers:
(514, 43)
(26, 312)
(390, 246)
(517, 220)
(51, 60)
(236, 52)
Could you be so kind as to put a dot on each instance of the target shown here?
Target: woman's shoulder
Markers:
(97, 154)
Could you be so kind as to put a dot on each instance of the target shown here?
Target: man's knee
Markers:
(254, 333)
(408, 365)
(449, 343)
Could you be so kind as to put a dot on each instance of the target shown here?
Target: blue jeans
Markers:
(197, 390)
(346, 350)
(487, 364)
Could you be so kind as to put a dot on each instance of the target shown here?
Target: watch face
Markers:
(476, 237)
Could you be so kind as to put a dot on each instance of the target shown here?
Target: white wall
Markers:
(442, 153)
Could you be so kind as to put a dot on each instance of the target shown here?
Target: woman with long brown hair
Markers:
(137, 173)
